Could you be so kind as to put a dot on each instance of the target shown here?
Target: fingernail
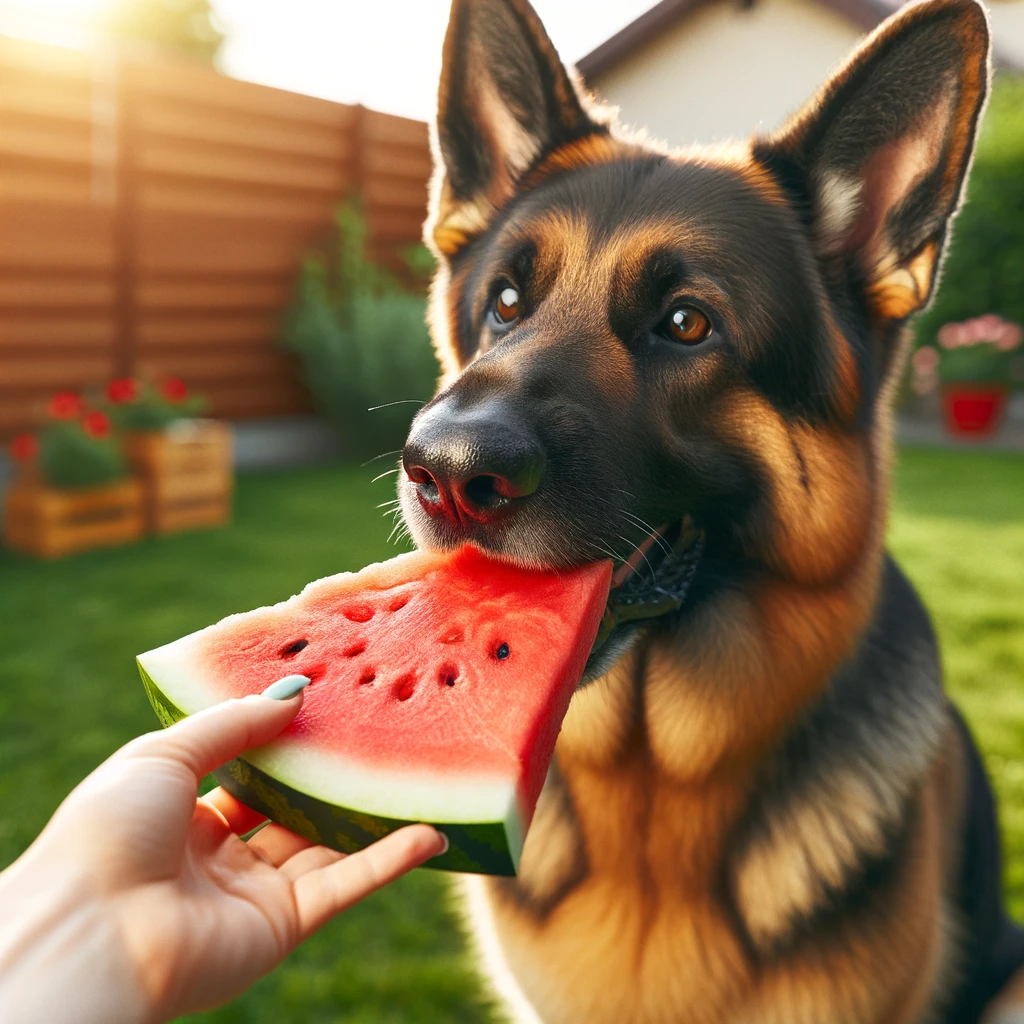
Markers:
(287, 687)
(444, 849)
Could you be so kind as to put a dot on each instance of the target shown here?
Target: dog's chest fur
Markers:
(633, 874)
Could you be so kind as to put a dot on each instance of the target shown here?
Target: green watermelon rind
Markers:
(477, 847)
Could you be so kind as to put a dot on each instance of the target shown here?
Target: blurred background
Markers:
(212, 297)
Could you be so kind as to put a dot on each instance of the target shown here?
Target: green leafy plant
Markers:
(72, 455)
(76, 448)
(142, 405)
(362, 340)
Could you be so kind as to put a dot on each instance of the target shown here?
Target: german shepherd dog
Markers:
(763, 808)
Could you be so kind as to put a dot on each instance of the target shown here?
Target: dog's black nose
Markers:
(471, 463)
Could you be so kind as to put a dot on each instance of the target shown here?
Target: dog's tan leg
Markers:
(1008, 1007)
(512, 1004)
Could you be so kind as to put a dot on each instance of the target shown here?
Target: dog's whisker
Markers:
(651, 531)
(387, 472)
(398, 401)
(636, 520)
(383, 455)
(607, 550)
(403, 534)
(638, 549)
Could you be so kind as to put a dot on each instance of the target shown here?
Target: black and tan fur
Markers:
(766, 811)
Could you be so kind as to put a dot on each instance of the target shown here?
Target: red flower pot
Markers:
(974, 410)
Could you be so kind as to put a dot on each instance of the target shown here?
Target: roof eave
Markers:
(865, 14)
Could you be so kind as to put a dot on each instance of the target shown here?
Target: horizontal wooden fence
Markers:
(153, 215)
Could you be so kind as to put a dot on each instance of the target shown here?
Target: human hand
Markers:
(139, 902)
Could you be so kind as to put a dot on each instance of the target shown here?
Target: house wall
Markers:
(1008, 30)
(726, 70)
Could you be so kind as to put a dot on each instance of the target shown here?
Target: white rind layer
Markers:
(455, 797)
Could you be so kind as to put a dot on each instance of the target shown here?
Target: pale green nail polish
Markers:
(286, 687)
(446, 846)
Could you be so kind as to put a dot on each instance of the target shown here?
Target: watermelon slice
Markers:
(440, 682)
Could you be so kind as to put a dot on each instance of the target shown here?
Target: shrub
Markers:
(362, 340)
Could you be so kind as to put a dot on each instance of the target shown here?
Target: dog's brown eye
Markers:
(507, 306)
(688, 325)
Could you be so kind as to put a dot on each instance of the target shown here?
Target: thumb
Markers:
(207, 739)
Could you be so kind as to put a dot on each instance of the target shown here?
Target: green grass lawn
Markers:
(957, 528)
(69, 693)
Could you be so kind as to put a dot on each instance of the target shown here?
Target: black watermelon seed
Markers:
(502, 652)
(299, 645)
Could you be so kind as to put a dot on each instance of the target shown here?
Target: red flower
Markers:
(65, 405)
(24, 448)
(173, 389)
(97, 425)
(124, 390)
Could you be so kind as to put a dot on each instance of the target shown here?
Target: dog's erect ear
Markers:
(505, 100)
(878, 159)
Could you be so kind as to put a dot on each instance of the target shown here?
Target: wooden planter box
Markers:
(187, 475)
(48, 522)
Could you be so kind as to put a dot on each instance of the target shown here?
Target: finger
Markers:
(277, 844)
(321, 894)
(206, 740)
(305, 861)
(240, 819)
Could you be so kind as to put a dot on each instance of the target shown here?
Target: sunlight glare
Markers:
(60, 22)
(72, 9)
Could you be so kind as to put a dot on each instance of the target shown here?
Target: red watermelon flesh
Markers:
(440, 682)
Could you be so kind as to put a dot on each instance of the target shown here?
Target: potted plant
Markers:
(185, 463)
(148, 407)
(973, 365)
(72, 491)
